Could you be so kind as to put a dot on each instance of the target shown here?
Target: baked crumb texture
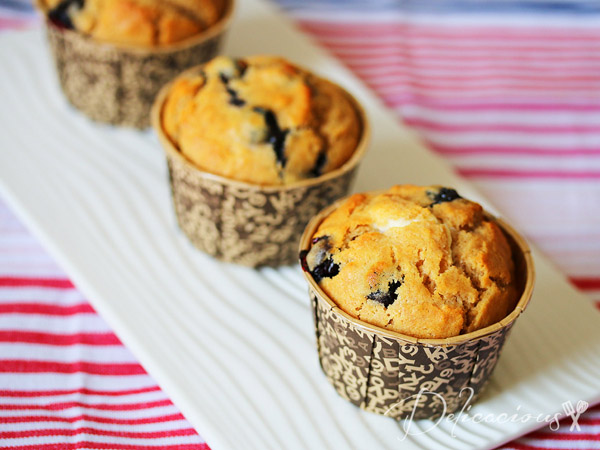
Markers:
(421, 261)
(136, 22)
(261, 120)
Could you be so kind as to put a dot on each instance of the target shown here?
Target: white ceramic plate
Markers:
(234, 347)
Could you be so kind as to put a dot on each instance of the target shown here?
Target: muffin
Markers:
(113, 56)
(256, 147)
(261, 120)
(417, 260)
(414, 291)
(146, 23)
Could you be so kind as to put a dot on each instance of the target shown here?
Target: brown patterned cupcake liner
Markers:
(244, 223)
(117, 84)
(400, 376)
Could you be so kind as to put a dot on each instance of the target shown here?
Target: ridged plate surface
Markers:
(234, 347)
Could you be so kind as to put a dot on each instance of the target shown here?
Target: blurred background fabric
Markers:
(507, 92)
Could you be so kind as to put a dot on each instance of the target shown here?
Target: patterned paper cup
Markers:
(401, 376)
(245, 223)
(117, 84)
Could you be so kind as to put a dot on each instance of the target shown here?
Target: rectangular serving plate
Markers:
(234, 347)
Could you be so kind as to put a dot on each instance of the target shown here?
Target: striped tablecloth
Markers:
(507, 91)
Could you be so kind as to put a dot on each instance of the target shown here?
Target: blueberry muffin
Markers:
(143, 23)
(421, 261)
(261, 120)
(113, 56)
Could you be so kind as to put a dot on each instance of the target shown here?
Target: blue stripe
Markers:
(20, 6)
(580, 7)
(450, 6)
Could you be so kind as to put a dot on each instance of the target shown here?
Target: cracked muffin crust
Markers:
(261, 120)
(144, 23)
(421, 261)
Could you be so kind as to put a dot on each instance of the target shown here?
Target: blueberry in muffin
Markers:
(61, 13)
(421, 261)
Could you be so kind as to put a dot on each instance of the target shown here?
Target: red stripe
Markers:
(470, 127)
(456, 92)
(585, 421)
(534, 174)
(418, 42)
(500, 150)
(559, 86)
(99, 406)
(83, 391)
(399, 69)
(516, 445)
(480, 82)
(430, 36)
(111, 446)
(46, 309)
(576, 436)
(413, 55)
(16, 23)
(452, 59)
(481, 104)
(416, 46)
(586, 283)
(58, 283)
(478, 68)
(507, 68)
(96, 432)
(455, 53)
(95, 419)
(25, 366)
(484, 102)
(440, 31)
(59, 339)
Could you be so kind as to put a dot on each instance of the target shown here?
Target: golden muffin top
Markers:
(261, 120)
(136, 22)
(421, 261)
